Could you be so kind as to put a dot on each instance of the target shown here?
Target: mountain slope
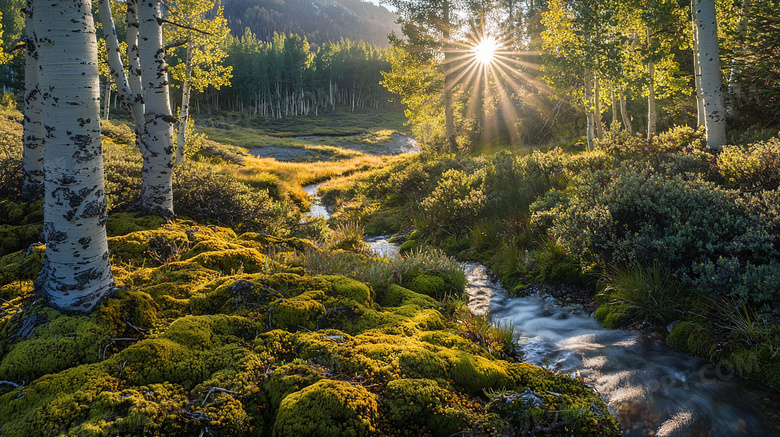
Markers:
(318, 20)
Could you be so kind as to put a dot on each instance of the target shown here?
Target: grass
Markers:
(651, 293)
(340, 123)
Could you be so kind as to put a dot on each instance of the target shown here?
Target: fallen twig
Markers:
(212, 390)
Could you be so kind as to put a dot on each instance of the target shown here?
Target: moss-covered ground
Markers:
(233, 322)
(231, 335)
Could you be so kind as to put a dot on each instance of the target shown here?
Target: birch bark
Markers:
(76, 273)
(34, 133)
(157, 178)
(711, 81)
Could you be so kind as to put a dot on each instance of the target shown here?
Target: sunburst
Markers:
(485, 50)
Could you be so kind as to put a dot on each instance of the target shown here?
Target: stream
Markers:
(651, 389)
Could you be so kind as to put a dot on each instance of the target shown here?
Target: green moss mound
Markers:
(328, 409)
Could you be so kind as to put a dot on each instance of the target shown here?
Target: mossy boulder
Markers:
(53, 342)
(328, 409)
(129, 311)
(352, 289)
(301, 311)
(408, 246)
(396, 296)
(429, 285)
(288, 379)
(613, 316)
(678, 337)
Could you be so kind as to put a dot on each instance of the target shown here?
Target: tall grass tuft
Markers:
(650, 293)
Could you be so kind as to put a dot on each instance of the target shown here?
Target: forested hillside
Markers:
(318, 20)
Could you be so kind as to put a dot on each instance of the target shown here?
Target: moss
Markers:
(613, 316)
(205, 332)
(414, 400)
(128, 310)
(328, 409)
(19, 266)
(230, 261)
(288, 379)
(58, 343)
(262, 241)
(678, 337)
(278, 345)
(13, 238)
(419, 362)
(299, 312)
(352, 289)
(397, 296)
(415, 235)
(475, 373)
(429, 285)
(123, 223)
(408, 245)
(147, 247)
(21, 213)
(209, 246)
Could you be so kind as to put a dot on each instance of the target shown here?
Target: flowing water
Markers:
(317, 208)
(651, 389)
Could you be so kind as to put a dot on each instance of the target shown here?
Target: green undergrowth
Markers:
(225, 333)
(653, 231)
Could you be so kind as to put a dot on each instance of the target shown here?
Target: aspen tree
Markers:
(76, 273)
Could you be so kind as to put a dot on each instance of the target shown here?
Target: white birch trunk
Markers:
(624, 112)
(134, 75)
(184, 112)
(34, 133)
(76, 272)
(711, 81)
(133, 101)
(157, 178)
(697, 70)
(597, 105)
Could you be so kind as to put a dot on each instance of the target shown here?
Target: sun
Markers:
(485, 51)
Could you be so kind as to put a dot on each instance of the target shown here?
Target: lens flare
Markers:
(485, 51)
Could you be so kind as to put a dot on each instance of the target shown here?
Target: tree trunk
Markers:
(697, 69)
(136, 98)
(624, 113)
(711, 82)
(449, 106)
(589, 122)
(184, 113)
(614, 106)
(651, 111)
(597, 105)
(34, 133)
(107, 99)
(76, 273)
(735, 88)
(157, 179)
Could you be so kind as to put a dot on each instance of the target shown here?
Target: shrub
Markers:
(635, 215)
(204, 195)
(456, 201)
(753, 167)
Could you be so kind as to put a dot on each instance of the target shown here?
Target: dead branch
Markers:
(217, 389)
